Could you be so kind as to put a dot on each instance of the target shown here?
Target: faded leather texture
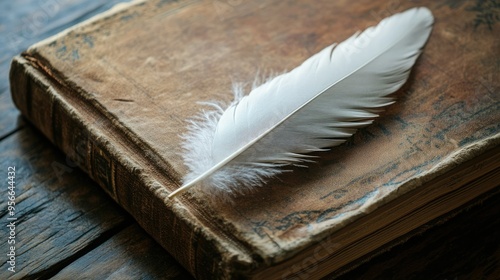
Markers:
(134, 76)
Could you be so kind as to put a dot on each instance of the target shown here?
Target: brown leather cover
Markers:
(115, 92)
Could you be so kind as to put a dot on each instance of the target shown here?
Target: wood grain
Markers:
(60, 211)
(130, 254)
(133, 105)
(62, 230)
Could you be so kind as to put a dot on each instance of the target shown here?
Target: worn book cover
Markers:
(115, 94)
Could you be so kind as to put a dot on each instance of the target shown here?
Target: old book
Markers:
(115, 92)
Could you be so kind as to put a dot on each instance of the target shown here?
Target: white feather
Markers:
(315, 106)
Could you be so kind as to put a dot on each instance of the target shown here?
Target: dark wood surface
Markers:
(67, 227)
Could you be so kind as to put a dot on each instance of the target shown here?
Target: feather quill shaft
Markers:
(314, 107)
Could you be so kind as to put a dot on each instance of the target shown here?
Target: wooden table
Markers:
(67, 227)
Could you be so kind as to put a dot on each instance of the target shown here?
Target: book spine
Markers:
(88, 146)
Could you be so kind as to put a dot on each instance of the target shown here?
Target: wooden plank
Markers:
(131, 254)
(64, 223)
(10, 119)
(60, 213)
(26, 22)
